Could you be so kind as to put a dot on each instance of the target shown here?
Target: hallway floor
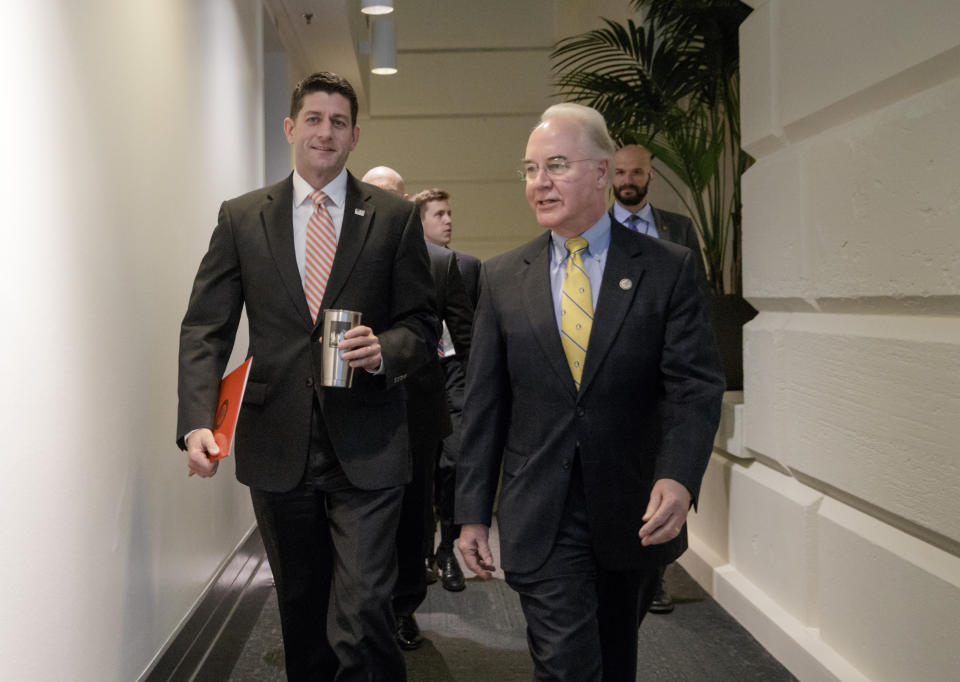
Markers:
(478, 635)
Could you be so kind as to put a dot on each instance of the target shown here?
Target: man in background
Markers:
(429, 423)
(632, 175)
(325, 466)
(435, 210)
(437, 218)
(595, 387)
(386, 178)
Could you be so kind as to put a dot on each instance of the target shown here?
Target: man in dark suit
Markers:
(429, 424)
(325, 466)
(632, 175)
(437, 219)
(595, 382)
(470, 272)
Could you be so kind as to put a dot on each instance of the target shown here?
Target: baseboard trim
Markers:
(210, 639)
(798, 648)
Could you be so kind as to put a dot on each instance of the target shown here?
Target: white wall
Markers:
(124, 124)
(834, 534)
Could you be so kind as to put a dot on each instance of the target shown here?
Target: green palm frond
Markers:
(671, 83)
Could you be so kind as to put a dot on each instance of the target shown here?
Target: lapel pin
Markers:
(625, 284)
(358, 211)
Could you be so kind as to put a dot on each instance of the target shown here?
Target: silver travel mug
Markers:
(335, 372)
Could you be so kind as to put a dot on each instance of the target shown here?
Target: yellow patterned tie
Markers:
(576, 309)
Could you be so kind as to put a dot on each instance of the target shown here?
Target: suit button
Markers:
(309, 382)
(566, 465)
(580, 412)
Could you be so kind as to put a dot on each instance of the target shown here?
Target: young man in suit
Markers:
(325, 466)
(632, 175)
(429, 424)
(594, 381)
(437, 219)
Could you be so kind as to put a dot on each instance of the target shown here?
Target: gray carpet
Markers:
(479, 635)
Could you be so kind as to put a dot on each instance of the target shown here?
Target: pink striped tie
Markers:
(321, 245)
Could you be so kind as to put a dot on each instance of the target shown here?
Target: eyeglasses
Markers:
(556, 167)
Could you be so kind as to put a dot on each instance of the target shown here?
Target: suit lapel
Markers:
(663, 230)
(277, 218)
(357, 214)
(618, 289)
(538, 302)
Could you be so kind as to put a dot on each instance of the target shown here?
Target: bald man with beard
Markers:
(632, 176)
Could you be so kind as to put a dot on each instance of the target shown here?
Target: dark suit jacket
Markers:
(648, 407)
(678, 229)
(380, 269)
(426, 388)
(470, 272)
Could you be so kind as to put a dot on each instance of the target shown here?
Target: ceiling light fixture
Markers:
(383, 56)
(376, 6)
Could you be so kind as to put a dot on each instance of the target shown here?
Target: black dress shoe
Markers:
(431, 572)
(408, 633)
(662, 602)
(451, 577)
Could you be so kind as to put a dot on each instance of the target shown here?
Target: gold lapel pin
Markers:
(626, 284)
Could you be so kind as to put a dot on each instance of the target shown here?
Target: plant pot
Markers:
(728, 314)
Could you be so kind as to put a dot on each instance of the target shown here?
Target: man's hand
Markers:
(666, 513)
(476, 550)
(361, 348)
(200, 446)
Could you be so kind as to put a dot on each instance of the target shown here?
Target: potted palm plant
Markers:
(671, 83)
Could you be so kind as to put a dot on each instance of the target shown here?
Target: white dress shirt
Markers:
(336, 191)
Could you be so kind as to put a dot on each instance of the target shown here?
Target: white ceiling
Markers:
(328, 41)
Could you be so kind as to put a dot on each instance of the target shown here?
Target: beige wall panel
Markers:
(836, 59)
(868, 210)
(432, 151)
(767, 402)
(572, 17)
(759, 97)
(868, 404)
(490, 218)
(464, 83)
(710, 522)
(776, 252)
(887, 600)
(461, 24)
(884, 221)
(773, 538)
(729, 438)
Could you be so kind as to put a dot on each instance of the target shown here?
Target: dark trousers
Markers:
(331, 549)
(411, 539)
(582, 618)
(446, 472)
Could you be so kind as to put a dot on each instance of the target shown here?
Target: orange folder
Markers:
(228, 407)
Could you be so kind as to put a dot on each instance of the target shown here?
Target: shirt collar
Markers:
(598, 240)
(622, 214)
(336, 189)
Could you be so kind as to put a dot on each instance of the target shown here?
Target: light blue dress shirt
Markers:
(594, 260)
(645, 225)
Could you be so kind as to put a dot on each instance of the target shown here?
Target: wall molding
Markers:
(221, 618)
